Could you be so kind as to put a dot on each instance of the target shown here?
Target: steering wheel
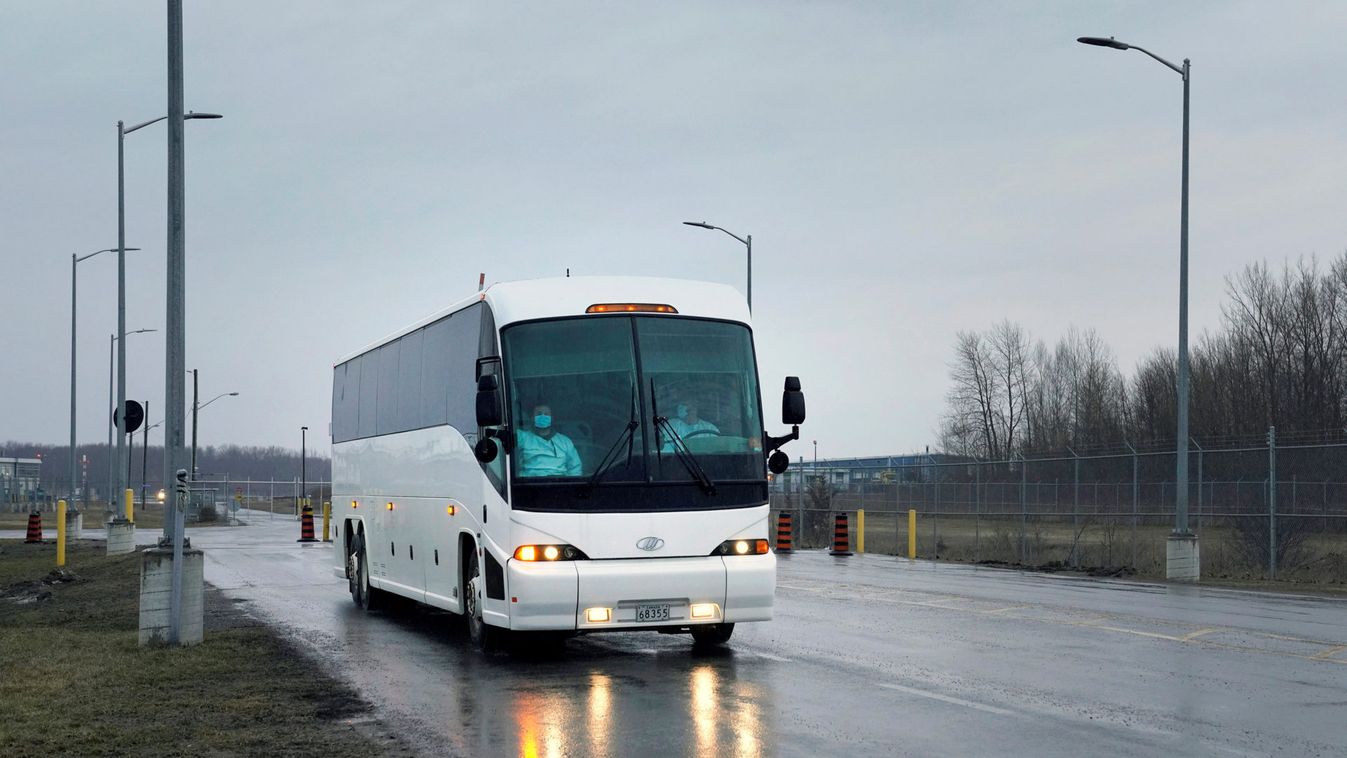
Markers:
(700, 433)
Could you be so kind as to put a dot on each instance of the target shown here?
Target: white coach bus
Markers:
(570, 455)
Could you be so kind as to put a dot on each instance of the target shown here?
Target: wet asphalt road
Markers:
(869, 655)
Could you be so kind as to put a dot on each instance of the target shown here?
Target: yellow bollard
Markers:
(130, 498)
(912, 534)
(60, 533)
(327, 520)
(860, 530)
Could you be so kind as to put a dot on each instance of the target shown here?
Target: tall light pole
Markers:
(196, 407)
(747, 242)
(122, 131)
(112, 459)
(75, 260)
(1182, 561)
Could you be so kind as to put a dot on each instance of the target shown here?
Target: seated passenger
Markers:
(544, 451)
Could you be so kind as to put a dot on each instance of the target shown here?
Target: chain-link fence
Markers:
(1103, 512)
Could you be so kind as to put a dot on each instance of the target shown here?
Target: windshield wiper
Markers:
(685, 455)
(610, 458)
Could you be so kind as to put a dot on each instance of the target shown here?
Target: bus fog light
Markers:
(703, 610)
(598, 615)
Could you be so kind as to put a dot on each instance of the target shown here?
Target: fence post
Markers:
(1075, 509)
(1024, 514)
(1272, 502)
(1199, 483)
(977, 511)
(1134, 504)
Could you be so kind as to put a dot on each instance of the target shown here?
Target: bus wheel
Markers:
(712, 634)
(362, 593)
(484, 636)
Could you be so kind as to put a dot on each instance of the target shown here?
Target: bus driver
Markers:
(544, 451)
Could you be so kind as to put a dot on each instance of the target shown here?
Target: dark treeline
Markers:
(1279, 358)
(237, 461)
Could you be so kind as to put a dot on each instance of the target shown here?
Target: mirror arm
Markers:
(772, 444)
(501, 433)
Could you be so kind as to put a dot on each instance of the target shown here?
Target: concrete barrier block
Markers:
(156, 588)
(121, 537)
(1182, 560)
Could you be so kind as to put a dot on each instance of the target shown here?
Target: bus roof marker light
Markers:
(390, 505)
(450, 510)
(631, 308)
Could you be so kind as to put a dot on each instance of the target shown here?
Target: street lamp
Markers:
(122, 131)
(112, 460)
(1182, 557)
(197, 407)
(303, 458)
(747, 241)
(75, 260)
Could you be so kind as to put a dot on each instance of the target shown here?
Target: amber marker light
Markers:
(355, 504)
(390, 505)
(630, 308)
(449, 510)
(526, 553)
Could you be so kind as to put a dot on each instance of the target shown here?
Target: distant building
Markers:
(850, 473)
(19, 479)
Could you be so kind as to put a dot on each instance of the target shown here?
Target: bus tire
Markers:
(484, 636)
(712, 634)
(364, 595)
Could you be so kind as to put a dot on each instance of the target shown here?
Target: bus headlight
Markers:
(533, 553)
(741, 547)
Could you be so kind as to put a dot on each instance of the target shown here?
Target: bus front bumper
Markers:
(640, 593)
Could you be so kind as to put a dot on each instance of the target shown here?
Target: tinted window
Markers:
(345, 392)
(385, 413)
(409, 382)
(369, 386)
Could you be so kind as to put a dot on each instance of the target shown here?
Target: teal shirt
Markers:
(553, 456)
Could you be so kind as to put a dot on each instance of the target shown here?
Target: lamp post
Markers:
(303, 458)
(196, 407)
(1182, 555)
(122, 131)
(112, 460)
(747, 242)
(75, 260)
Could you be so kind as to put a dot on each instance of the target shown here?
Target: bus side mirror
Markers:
(778, 462)
(489, 412)
(485, 450)
(792, 402)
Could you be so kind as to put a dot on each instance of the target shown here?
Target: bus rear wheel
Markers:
(712, 634)
(357, 568)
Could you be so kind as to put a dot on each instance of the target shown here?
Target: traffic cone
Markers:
(783, 532)
(841, 539)
(306, 524)
(34, 527)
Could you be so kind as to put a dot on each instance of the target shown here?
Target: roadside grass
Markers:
(74, 680)
(1103, 546)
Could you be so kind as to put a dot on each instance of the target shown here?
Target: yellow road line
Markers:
(1189, 637)
(1329, 653)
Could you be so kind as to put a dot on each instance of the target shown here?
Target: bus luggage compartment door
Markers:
(650, 592)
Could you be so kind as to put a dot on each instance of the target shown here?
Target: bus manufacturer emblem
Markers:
(650, 543)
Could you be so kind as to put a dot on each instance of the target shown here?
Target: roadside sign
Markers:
(135, 416)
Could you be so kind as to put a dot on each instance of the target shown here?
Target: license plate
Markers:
(652, 613)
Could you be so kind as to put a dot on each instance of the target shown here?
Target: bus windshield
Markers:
(623, 396)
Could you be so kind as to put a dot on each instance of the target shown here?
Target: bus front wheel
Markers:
(712, 634)
(484, 636)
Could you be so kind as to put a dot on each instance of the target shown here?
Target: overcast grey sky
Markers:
(906, 170)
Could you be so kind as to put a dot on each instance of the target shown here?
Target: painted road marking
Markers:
(1096, 621)
(946, 699)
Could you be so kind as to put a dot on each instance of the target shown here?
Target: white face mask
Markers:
(542, 421)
